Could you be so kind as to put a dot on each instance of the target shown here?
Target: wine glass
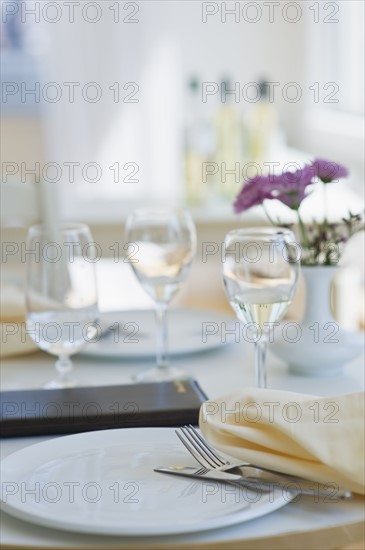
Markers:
(161, 245)
(61, 293)
(260, 274)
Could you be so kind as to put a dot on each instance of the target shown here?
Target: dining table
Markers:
(223, 369)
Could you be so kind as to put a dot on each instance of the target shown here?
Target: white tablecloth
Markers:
(304, 524)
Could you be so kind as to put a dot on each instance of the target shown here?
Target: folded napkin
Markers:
(14, 340)
(318, 438)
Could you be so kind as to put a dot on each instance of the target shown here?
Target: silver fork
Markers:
(202, 451)
(208, 457)
(199, 448)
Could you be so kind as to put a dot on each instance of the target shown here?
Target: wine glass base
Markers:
(161, 374)
(60, 383)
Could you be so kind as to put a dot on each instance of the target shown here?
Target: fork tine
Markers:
(209, 462)
(217, 456)
(205, 447)
(194, 448)
(191, 450)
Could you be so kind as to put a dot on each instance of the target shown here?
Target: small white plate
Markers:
(103, 483)
(190, 331)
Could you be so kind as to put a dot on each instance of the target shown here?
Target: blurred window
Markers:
(19, 67)
(12, 37)
(338, 56)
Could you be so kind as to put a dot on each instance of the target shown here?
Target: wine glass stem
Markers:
(162, 347)
(63, 366)
(260, 363)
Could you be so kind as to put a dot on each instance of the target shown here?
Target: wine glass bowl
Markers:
(260, 275)
(61, 293)
(161, 246)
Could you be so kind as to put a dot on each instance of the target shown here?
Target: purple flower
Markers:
(328, 171)
(291, 187)
(253, 192)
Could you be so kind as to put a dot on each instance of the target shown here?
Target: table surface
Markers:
(303, 524)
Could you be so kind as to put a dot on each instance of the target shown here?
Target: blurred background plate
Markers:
(133, 333)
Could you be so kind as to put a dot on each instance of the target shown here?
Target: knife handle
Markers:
(301, 488)
(331, 490)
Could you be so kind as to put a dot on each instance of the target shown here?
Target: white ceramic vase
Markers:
(317, 346)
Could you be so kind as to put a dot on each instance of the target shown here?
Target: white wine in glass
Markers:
(162, 245)
(260, 274)
(61, 293)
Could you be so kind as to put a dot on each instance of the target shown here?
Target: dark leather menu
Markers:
(71, 410)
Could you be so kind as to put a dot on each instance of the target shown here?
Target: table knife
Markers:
(304, 487)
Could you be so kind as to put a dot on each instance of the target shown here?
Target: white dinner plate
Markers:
(190, 331)
(103, 483)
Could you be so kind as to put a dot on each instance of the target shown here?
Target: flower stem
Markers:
(325, 202)
(268, 215)
(303, 233)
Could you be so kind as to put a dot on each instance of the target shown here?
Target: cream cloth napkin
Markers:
(318, 438)
(14, 340)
